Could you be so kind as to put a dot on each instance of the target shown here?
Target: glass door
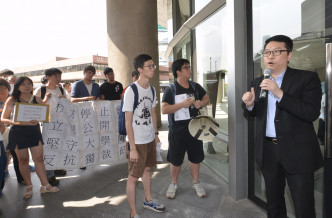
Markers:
(327, 211)
(308, 23)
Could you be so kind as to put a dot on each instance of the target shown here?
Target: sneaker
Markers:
(171, 190)
(136, 216)
(6, 177)
(154, 205)
(32, 168)
(60, 172)
(53, 181)
(199, 189)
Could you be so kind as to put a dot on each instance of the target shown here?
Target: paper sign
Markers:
(28, 112)
(183, 113)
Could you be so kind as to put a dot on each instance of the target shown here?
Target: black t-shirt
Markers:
(177, 126)
(111, 91)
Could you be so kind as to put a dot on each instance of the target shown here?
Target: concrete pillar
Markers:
(132, 29)
(237, 81)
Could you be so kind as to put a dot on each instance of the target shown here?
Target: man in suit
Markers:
(286, 142)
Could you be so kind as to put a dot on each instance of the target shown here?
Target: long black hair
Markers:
(16, 93)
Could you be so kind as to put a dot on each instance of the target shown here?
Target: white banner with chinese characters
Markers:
(82, 134)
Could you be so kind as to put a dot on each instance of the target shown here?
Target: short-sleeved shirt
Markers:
(80, 90)
(142, 117)
(55, 91)
(111, 91)
(178, 126)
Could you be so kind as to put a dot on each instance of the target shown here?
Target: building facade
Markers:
(71, 68)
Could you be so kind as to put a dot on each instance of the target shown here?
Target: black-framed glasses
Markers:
(153, 66)
(186, 67)
(274, 52)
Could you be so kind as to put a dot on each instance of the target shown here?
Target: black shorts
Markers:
(183, 142)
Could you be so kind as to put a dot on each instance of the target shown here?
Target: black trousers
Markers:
(301, 186)
(16, 167)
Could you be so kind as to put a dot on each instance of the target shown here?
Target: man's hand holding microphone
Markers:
(249, 97)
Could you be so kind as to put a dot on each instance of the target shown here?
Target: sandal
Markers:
(27, 194)
(43, 189)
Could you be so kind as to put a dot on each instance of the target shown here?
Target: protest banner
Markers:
(82, 134)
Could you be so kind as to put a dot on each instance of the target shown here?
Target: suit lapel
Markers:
(287, 83)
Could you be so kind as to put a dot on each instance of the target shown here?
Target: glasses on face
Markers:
(267, 53)
(152, 66)
(186, 67)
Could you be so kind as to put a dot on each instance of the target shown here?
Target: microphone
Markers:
(267, 74)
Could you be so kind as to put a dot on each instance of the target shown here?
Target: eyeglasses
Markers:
(186, 67)
(274, 52)
(153, 66)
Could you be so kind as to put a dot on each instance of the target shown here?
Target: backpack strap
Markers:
(62, 91)
(153, 94)
(135, 90)
(173, 89)
(193, 85)
(42, 92)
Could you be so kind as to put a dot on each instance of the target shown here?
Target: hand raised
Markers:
(249, 97)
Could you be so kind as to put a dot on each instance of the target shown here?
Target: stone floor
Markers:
(100, 192)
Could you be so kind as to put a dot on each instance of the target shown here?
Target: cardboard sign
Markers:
(28, 112)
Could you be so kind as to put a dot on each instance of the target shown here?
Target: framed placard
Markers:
(27, 112)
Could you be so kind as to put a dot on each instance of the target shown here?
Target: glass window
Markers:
(183, 48)
(181, 13)
(199, 4)
(210, 70)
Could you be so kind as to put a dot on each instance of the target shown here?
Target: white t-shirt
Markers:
(142, 116)
(55, 92)
(89, 88)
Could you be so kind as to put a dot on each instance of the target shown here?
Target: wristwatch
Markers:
(156, 133)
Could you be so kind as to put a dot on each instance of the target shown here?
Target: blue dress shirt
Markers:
(271, 108)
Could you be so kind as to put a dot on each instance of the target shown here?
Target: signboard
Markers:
(28, 112)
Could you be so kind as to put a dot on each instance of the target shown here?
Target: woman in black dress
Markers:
(26, 135)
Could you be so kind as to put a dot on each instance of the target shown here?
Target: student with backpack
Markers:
(182, 101)
(142, 134)
(53, 76)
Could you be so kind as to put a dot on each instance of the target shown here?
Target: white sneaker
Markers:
(171, 190)
(199, 189)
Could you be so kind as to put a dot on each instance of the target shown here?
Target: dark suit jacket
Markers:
(295, 113)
